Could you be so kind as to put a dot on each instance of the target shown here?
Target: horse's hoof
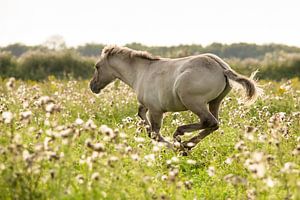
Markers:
(188, 145)
(183, 153)
(177, 138)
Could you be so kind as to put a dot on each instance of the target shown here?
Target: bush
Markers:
(63, 64)
(7, 64)
(274, 66)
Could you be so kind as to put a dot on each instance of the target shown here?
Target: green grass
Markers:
(50, 156)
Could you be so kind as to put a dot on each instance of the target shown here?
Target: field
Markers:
(60, 141)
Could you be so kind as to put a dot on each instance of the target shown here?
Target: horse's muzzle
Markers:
(94, 88)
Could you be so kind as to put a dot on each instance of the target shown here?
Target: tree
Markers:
(55, 42)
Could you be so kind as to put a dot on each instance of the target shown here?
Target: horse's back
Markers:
(200, 76)
(164, 84)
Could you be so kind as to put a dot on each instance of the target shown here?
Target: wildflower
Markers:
(139, 139)
(269, 182)
(18, 139)
(288, 167)
(296, 151)
(211, 171)
(44, 100)
(135, 157)
(95, 176)
(164, 177)
(112, 160)
(258, 169)
(104, 129)
(188, 185)
(251, 194)
(155, 148)
(10, 83)
(25, 104)
(128, 149)
(66, 133)
(7, 117)
(90, 124)
(99, 147)
(26, 156)
(240, 145)
(79, 121)
(173, 174)
(150, 157)
(80, 179)
(51, 108)
(191, 162)
(228, 161)
(234, 179)
(175, 159)
(25, 115)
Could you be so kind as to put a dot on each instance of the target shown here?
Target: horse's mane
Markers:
(130, 53)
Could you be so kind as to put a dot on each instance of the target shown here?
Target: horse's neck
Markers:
(126, 72)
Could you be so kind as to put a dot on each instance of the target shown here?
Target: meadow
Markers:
(60, 141)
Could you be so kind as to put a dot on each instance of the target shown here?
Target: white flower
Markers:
(150, 157)
(228, 161)
(175, 159)
(211, 171)
(11, 83)
(26, 155)
(258, 169)
(164, 177)
(269, 182)
(139, 139)
(135, 157)
(95, 176)
(7, 116)
(191, 162)
(90, 124)
(104, 129)
(79, 121)
(50, 107)
(25, 115)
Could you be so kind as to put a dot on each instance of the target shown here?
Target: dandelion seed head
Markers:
(7, 117)
(211, 171)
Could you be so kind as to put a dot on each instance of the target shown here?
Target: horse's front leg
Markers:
(155, 118)
(142, 113)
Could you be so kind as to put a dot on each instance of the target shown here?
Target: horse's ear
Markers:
(105, 51)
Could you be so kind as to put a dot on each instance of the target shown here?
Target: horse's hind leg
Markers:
(214, 107)
(207, 119)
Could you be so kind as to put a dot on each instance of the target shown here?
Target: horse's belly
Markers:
(170, 102)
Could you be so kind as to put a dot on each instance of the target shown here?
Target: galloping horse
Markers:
(196, 83)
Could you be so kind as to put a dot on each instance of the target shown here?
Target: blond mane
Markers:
(126, 52)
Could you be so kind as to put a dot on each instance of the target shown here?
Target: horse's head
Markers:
(103, 75)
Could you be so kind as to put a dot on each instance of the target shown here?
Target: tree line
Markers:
(274, 61)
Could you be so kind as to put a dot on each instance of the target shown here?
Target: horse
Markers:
(197, 83)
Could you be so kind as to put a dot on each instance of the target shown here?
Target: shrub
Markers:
(38, 65)
(8, 64)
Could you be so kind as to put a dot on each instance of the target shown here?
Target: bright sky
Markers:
(152, 22)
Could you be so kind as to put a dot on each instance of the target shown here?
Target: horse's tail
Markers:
(249, 84)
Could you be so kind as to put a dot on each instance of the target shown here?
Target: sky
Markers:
(152, 22)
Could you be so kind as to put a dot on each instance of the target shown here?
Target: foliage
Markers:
(7, 64)
(275, 62)
(38, 65)
(59, 141)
